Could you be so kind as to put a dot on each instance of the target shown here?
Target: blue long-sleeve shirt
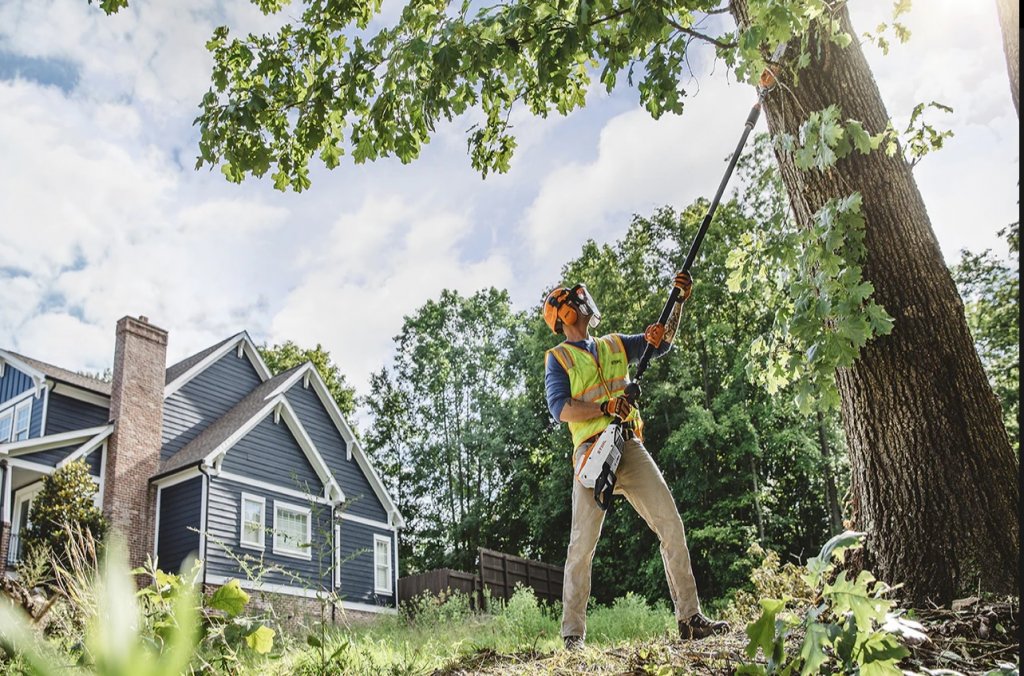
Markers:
(556, 379)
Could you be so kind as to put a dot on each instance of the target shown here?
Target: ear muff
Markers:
(559, 309)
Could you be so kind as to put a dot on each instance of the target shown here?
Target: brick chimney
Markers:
(133, 451)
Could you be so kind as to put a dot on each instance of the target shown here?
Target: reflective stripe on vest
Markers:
(586, 384)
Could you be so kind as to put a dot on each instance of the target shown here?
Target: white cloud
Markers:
(382, 262)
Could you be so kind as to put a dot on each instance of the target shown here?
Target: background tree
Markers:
(288, 355)
(991, 291)
(453, 398)
(65, 501)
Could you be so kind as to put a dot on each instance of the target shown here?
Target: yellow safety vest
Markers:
(596, 381)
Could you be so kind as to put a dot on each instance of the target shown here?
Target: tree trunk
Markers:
(934, 479)
(1009, 23)
(835, 516)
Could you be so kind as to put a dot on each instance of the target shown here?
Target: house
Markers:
(213, 457)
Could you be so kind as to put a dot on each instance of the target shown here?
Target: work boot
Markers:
(698, 627)
(573, 643)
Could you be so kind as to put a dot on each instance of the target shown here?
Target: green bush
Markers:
(524, 621)
(65, 502)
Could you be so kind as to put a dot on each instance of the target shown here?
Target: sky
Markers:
(102, 214)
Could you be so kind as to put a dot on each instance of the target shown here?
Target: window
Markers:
(292, 530)
(382, 564)
(6, 424)
(254, 509)
(22, 418)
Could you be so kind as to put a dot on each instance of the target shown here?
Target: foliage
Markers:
(991, 292)
(852, 630)
(65, 501)
(453, 396)
(288, 355)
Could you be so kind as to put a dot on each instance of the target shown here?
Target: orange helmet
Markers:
(564, 306)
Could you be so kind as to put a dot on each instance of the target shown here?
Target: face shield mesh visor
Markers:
(586, 305)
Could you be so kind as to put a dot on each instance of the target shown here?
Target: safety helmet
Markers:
(564, 306)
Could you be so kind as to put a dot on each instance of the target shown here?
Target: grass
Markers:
(443, 635)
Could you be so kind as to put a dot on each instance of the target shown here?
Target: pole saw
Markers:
(596, 468)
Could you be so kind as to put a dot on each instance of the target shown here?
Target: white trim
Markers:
(46, 406)
(241, 349)
(33, 466)
(87, 448)
(17, 399)
(389, 590)
(354, 449)
(88, 396)
(24, 493)
(337, 556)
(37, 376)
(262, 544)
(172, 479)
(367, 522)
(240, 342)
(7, 495)
(330, 485)
(103, 473)
(283, 548)
(2, 365)
(7, 413)
(288, 590)
(266, 485)
(204, 489)
(156, 524)
(37, 444)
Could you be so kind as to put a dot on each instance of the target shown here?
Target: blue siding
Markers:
(64, 414)
(269, 452)
(357, 564)
(13, 383)
(360, 497)
(223, 527)
(205, 399)
(50, 457)
(180, 510)
(35, 425)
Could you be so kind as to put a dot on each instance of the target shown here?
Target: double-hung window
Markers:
(6, 425)
(382, 564)
(292, 530)
(254, 509)
(22, 420)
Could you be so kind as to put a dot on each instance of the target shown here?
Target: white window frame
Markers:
(377, 539)
(27, 404)
(8, 413)
(248, 544)
(337, 556)
(286, 548)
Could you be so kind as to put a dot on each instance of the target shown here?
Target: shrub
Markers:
(630, 617)
(65, 502)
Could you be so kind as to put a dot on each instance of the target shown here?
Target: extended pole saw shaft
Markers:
(633, 389)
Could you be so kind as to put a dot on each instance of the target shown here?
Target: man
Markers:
(585, 379)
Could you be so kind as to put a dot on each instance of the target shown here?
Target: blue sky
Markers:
(102, 214)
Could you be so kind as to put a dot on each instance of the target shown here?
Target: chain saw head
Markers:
(565, 306)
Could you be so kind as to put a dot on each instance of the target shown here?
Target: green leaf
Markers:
(313, 641)
(230, 598)
(762, 631)
(853, 596)
(813, 649)
(880, 655)
(859, 137)
(261, 640)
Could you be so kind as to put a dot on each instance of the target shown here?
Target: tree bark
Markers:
(1009, 23)
(934, 479)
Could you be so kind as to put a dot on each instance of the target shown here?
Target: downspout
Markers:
(205, 518)
(336, 559)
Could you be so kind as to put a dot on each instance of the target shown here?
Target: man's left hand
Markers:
(684, 282)
(654, 334)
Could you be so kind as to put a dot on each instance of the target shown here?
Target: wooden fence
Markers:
(499, 573)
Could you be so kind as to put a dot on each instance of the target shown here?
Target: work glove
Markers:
(618, 407)
(654, 334)
(684, 283)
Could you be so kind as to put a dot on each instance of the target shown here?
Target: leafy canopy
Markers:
(288, 355)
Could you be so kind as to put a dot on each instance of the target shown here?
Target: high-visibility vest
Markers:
(596, 381)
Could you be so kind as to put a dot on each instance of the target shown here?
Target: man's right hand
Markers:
(618, 407)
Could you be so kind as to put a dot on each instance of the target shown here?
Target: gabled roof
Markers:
(180, 374)
(195, 451)
(39, 369)
(93, 437)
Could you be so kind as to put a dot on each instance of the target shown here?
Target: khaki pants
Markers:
(640, 481)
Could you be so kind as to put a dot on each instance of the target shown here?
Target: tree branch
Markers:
(700, 36)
